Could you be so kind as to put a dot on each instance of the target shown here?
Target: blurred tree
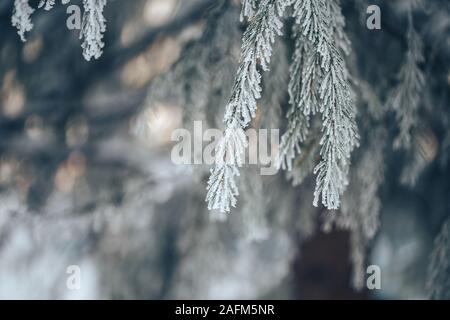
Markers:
(85, 171)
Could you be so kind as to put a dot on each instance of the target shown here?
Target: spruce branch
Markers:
(325, 84)
(256, 51)
(46, 4)
(93, 27)
(21, 17)
(406, 96)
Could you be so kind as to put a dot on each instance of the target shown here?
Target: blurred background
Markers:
(86, 177)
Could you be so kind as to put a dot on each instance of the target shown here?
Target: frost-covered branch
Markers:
(406, 97)
(249, 8)
(256, 51)
(324, 88)
(46, 4)
(93, 27)
(438, 282)
(303, 100)
(21, 17)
